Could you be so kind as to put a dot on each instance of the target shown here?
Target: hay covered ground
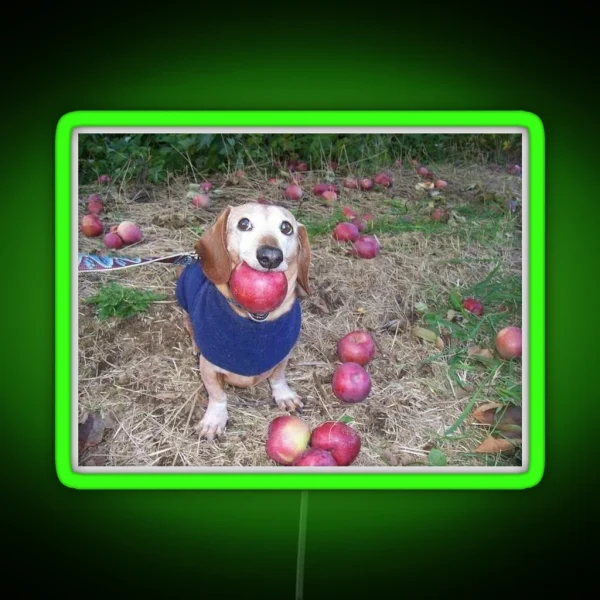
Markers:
(140, 378)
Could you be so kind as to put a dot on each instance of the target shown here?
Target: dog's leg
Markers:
(215, 418)
(190, 329)
(283, 395)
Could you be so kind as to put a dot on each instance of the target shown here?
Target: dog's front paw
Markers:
(214, 422)
(287, 399)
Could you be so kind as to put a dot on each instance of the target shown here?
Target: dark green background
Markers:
(477, 542)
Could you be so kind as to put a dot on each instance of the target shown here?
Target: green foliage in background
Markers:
(153, 158)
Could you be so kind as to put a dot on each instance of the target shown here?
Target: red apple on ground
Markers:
(201, 200)
(509, 342)
(113, 241)
(473, 306)
(94, 198)
(383, 179)
(350, 213)
(368, 217)
(366, 184)
(129, 232)
(441, 184)
(206, 186)
(357, 347)
(422, 171)
(258, 291)
(345, 232)
(104, 179)
(350, 183)
(330, 196)
(360, 224)
(287, 439)
(319, 188)
(91, 226)
(315, 457)
(95, 207)
(293, 192)
(351, 383)
(302, 167)
(439, 214)
(366, 246)
(337, 438)
(273, 181)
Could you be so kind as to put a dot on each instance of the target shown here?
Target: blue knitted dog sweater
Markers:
(234, 343)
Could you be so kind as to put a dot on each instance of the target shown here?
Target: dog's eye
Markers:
(286, 228)
(245, 225)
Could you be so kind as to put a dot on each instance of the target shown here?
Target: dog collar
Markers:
(254, 316)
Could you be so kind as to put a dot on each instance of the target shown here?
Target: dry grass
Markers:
(142, 372)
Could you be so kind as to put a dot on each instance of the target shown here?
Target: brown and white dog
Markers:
(266, 238)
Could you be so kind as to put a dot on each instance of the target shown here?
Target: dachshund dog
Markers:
(237, 347)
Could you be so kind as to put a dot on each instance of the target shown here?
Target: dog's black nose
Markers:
(269, 257)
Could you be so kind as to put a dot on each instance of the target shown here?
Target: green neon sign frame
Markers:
(285, 478)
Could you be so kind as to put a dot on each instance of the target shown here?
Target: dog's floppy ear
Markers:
(303, 258)
(212, 250)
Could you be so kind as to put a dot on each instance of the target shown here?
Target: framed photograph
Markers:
(244, 296)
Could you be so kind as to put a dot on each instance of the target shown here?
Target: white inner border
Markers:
(306, 130)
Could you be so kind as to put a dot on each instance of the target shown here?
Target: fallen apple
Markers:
(287, 439)
(383, 179)
(360, 224)
(293, 192)
(259, 292)
(509, 342)
(129, 232)
(301, 167)
(315, 457)
(350, 213)
(273, 181)
(113, 241)
(329, 196)
(104, 179)
(357, 347)
(337, 438)
(350, 183)
(201, 200)
(351, 383)
(441, 184)
(345, 232)
(95, 207)
(439, 214)
(91, 226)
(366, 184)
(319, 188)
(368, 217)
(366, 246)
(206, 186)
(422, 171)
(473, 306)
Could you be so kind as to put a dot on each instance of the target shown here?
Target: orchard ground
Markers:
(139, 376)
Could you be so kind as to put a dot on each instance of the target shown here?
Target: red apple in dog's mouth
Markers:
(258, 292)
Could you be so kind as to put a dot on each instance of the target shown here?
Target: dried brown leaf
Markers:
(491, 445)
(91, 432)
(501, 416)
(167, 397)
(321, 304)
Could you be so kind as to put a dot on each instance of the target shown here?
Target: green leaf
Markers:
(455, 301)
(346, 419)
(437, 458)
